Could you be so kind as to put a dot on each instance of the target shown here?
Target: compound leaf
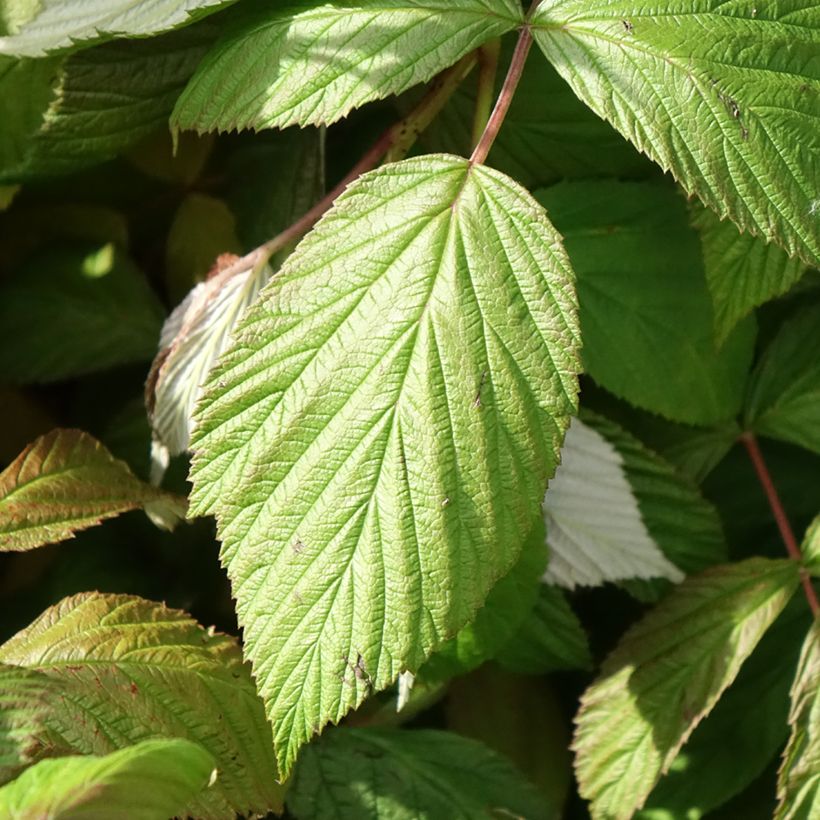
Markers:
(376, 442)
(152, 780)
(798, 787)
(128, 669)
(667, 674)
(312, 63)
(62, 24)
(383, 774)
(66, 481)
(724, 95)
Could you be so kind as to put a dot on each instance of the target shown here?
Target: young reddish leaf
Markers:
(67, 481)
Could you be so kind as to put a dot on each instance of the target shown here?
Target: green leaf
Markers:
(93, 105)
(128, 669)
(411, 370)
(742, 734)
(784, 394)
(666, 674)
(548, 134)
(63, 24)
(24, 700)
(550, 639)
(798, 787)
(373, 774)
(63, 314)
(150, 781)
(66, 481)
(742, 271)
(595, 529)
(811, 547)
(507, 606)
(646, 316)
(520, 718)
(312, 63)
(724, 95)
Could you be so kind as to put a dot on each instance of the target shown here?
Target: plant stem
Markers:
(393, 144)
(505, 98)
(786, 532)
(487, 70)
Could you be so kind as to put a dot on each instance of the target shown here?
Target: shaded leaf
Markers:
(314, 62)
(364, 774)
(742, 271)
(129, 669)
(150, 781)
(646, 313)
(784, 394)
(66, 481)
(667, 674)
(72, 311)
(411, 371)
(725, 95)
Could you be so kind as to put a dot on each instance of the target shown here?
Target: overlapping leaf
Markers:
(725, 95)
(595, 529)
(799, 781)
(127, 669)
(63, 114)
(666, 675)
(373, 774)
(784, 394)
(742, 271)
(152, 780)
(66, 481)
(313, 62)
(59, 24)
(376, 442)
(646, 312)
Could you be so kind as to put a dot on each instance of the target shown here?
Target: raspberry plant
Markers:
(488, 335)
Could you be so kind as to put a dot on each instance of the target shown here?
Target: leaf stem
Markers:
(786, 533)
(505, 98)
(392, 145)
(487, 70)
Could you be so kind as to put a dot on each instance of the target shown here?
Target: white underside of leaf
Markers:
(595, 530)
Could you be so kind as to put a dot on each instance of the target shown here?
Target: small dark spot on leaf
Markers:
(628, 26)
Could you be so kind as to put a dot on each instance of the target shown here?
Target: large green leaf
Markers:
(60, 24)
(742, 270)
(377, 441)
(128, 669)
(24, 700)
(723, 94)
(383, 774)
(667, 674)
(742, 734)
(646, 315)
(65, 482)
(799, 781)
(313, 62)
(77, 310)
(150, 781)
(784, 393)
(548, 134)
(62, 115)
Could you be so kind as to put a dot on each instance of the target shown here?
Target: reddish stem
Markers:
(786, 532)
(505, 98)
